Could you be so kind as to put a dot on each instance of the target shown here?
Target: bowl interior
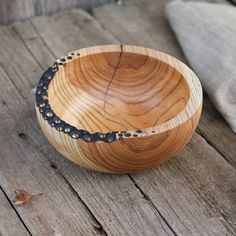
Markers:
(115, 91)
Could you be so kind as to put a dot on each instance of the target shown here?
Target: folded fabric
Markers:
(207, 34)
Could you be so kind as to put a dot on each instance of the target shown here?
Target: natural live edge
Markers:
(41, 99)
(88, 102)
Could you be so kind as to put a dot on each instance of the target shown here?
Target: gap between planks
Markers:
(99, 227)
(116, 20)
(137, 185)
(15, 210)
(209, 140)
(152, 204)
(155, 209)
(199, 132)
(97, 224)
(53, 165)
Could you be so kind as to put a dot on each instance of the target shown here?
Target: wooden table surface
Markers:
(193, 194)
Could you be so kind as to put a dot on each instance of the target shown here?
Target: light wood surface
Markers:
(146, 104)
(193, 194)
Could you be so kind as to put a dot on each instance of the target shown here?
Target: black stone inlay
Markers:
(48, 112)
(88, 137)
(56, 120)
(60, 127)
(41, 100)
(68, 128)
(51, 123)
(44, 93)
(75, 134)
(110, 137)
(127, 135)
(139, 131)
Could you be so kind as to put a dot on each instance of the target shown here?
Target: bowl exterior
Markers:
(124, 155)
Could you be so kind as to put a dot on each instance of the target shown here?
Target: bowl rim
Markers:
(43, 106)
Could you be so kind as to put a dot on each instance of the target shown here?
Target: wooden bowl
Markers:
(118, 108)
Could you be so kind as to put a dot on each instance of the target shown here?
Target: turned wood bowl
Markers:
(118, 108)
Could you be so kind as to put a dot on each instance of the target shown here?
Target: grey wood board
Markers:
(12, 10)
(56, 210)
(10, 223)
(196, 225)
(112, 199)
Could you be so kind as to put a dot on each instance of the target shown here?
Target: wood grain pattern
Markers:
(152, 30)
(149, 92)
(23, 166)
(111, 91)
(213, 128)
(9, 221)
(193, 192)
(34, 165)
(12, 10)
(151, 100)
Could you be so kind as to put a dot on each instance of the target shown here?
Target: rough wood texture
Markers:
(217, 132)
(12, 10)
(60, 47)
(194, 193)
(149, 27)
(10, 223)
(25, 167)
(190, 195)
(150, 100)
(115, 201)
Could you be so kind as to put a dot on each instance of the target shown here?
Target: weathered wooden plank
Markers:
(171, 209)
(195, 197)
(214, 129)
(191, 191)
(10, 223)
(79, 30)
(114, 200)
(32, 42)
(149, 27)
(57, 209)
(22, 9)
